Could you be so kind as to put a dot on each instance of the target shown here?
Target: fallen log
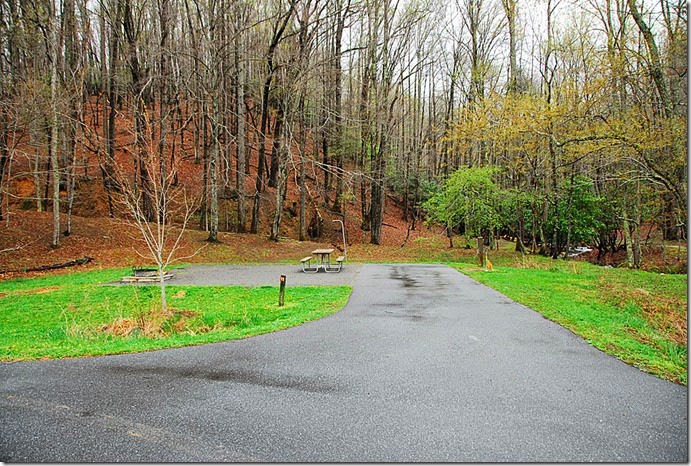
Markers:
(82, 261)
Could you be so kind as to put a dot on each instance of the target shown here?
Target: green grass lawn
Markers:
(639, 317)
(75, 315)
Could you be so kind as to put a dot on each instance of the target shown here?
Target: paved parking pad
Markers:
(423, 364)
(262, 275)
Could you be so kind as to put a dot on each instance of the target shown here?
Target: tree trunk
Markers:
(213, 182)
(140, 99)
(54, 132)
(275, 148)
(520, 229)
(302, 185)
(162, 285)
(109, 110)
(626, 226)
(73, 81)
(510, 11)
(656, 69)
(241, 143)
(214, 105)
(377, 202)
(636, 233)
(259, 186)
(281, 180)
(365, 129)
(337, 130)
(4, 155)
(204, 209)
(37, 180)
(569, 216)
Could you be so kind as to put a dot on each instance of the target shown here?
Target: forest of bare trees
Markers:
(573, 110)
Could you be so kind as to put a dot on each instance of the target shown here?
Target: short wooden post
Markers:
(282, 290)
(481, 251)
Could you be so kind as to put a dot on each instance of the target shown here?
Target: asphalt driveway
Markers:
(423, 364)
(261, 275)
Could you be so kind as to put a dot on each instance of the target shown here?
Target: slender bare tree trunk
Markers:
(366, 138)
(656, 69)
(54, 128)
(270, 68)
(281, 179)
(337, 136)
(241, 143)
(383, 124)
(108, 74)
(140, 96)
(302, 236)
(510, 11)
(4, 155)
(213, 191)
(215, 106)
(74, 83)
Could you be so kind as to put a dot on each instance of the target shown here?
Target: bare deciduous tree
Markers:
(173, 204)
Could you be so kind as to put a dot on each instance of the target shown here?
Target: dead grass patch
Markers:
(44, 290)
(666, 314)
(531, 262)
(47, 289)
(155, 324)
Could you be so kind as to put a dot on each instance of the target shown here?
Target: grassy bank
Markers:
(73, 315)
(639, 317)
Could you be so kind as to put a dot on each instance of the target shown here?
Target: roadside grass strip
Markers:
(638, 317)
(74, 315)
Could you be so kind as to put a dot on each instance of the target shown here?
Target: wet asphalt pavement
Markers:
(423, 364)
(262, 275)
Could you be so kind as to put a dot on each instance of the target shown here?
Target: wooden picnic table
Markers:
(322, 260)
(323, 257)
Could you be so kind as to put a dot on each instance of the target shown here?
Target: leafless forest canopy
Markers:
(571, 112)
